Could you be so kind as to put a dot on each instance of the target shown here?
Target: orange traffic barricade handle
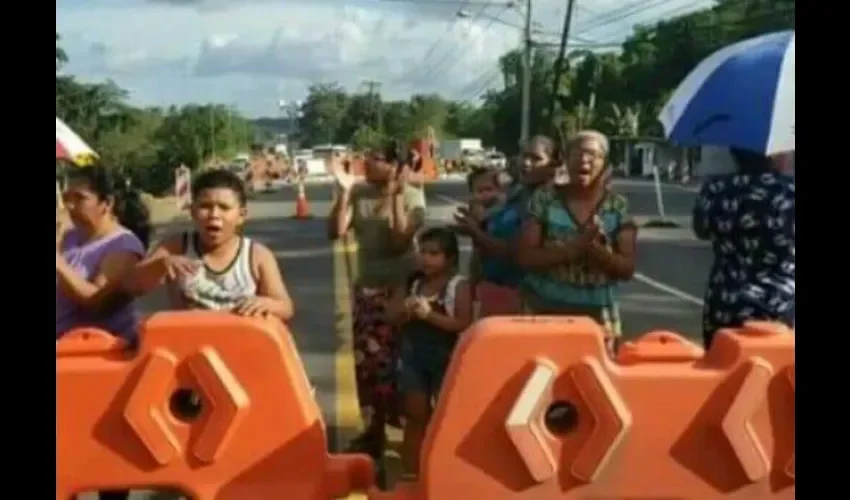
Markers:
(533, 409)
(213, 404)
(659, 347)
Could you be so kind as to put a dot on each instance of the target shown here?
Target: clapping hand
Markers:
(399, 178)
(594, 231)
(467, 220)
(180, 267)
(254, 307)
(344, 180)
(418, 307)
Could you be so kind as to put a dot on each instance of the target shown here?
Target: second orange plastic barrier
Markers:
(532, 409)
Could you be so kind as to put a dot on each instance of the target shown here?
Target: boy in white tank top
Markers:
(214, 267)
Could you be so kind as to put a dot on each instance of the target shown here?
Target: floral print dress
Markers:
(750, 220)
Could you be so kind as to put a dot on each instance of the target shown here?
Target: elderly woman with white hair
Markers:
(579, 241)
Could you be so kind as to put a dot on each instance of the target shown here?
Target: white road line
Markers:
(650, 184)
(646, 280)
(662, 287)
(449, 200)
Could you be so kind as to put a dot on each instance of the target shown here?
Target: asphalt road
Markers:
(672, 270)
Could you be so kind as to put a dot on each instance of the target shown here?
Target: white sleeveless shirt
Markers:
(219, 291)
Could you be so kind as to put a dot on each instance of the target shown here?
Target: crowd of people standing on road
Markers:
(552, 237)
(554, 240)
(102, 266)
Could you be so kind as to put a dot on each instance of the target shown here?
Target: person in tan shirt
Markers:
(383, 214)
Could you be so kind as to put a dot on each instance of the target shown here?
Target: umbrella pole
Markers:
(659, 196)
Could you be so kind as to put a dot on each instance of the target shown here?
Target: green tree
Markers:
(323, 113)
(147, 144)
(366, 138)
(61, 56)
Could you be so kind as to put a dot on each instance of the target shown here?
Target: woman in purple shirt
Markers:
(109, 237)
(110, 233)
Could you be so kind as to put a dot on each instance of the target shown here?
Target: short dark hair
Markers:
(220, 179)
(128, 206)
(478, 173)
(446, 239)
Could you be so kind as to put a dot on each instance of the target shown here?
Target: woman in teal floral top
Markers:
(579, 241)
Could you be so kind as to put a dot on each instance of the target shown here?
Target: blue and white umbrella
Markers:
(741, 96)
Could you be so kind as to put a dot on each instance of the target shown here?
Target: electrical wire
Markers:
(615, 16)
(454, 49)
(433, 47)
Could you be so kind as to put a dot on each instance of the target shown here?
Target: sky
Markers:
(253, 54)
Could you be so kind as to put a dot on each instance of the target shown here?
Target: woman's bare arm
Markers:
(342, 214)
(407, 216)
(532, 255)
(100, 291)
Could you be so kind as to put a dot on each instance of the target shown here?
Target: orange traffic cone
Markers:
(302, 206)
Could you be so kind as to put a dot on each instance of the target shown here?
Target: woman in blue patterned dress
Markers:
(749, 217)
(495, 237)
(579, 241)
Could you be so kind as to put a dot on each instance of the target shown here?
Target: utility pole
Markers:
(562, 52)
(212, 132)
(290, 112)
(372, 89)
(525, 112)
(230, 126)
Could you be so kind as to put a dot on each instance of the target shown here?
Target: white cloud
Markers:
(253, 52)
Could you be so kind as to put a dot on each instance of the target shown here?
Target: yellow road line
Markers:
(348, 420)
(347, 410)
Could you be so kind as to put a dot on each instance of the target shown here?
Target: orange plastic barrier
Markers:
(531, 409)
(429, 165)
(216, 405)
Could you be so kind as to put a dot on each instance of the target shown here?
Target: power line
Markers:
(453, 50)
(471, 3)
(481, 85)
(617, 14)
(449, 25)
(620, 14)
(616, 41)
(613, 16)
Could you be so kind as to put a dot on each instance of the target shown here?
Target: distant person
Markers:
(384, 214)
(485, 194)
(496, 235)
(749, 217)
(437, 308)
(215, 267)
(111, 228)
(579, 242)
